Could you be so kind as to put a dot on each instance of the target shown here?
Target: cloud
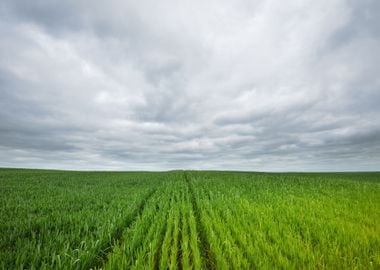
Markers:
(251, 85)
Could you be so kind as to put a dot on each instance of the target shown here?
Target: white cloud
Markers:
(255, 85)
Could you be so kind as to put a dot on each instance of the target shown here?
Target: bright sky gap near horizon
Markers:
(156, 85)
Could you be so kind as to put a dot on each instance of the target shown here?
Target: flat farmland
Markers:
(188, 220)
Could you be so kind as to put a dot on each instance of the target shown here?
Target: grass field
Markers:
(188, 220)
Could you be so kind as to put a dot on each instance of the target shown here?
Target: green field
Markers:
(189, 220)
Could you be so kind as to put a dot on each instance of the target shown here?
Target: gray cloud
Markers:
(251, 85)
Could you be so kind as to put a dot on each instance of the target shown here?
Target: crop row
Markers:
(65, 220)
(290, 222)
(165, 234)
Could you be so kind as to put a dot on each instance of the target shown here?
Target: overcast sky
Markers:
(155, 85)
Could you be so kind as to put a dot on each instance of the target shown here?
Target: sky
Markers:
(157, 85)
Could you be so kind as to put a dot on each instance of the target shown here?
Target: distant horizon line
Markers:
(173, 170)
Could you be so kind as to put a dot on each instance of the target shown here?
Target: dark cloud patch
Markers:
(53, 16)
(363, 22)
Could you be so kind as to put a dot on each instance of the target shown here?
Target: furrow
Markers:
(206, 254)
(101, 259)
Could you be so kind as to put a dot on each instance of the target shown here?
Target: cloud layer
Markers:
(251, 85)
